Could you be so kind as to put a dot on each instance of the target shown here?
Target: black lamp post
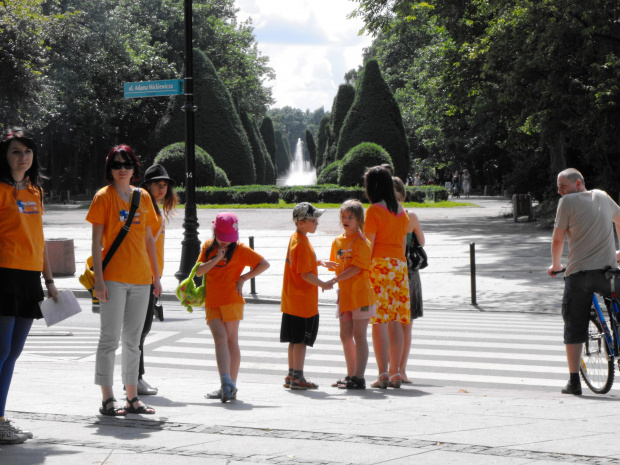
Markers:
(190, 244)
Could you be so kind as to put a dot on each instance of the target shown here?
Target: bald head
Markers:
(570, 181)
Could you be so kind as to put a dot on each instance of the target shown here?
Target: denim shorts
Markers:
(577, 301)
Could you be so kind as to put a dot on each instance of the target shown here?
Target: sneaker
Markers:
(145, 389)
(217, 394)
(287, 381)
(8, 436)
(17, 429)
(574, 389)
(301, 384)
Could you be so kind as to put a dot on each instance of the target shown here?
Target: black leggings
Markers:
(148, 322)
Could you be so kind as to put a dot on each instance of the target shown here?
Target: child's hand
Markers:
(240, 284)
(331, 266)
(221, 252)
(327, 285)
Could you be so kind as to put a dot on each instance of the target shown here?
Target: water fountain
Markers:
(301, 173)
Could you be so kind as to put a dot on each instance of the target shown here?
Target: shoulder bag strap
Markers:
(135, 203)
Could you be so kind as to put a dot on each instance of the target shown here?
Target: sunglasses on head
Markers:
(117, 165)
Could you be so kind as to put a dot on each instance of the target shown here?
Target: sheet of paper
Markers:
(54, 312)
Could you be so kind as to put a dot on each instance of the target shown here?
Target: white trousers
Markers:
(122, 318)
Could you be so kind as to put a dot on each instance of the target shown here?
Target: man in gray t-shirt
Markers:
(586, 218)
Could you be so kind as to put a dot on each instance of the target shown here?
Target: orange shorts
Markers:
(232, 312)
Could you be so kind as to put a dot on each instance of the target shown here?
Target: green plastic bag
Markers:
(190, 295)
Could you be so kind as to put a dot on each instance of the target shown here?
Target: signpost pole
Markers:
(190, 244)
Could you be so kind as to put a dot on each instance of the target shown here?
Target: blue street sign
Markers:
(154, 88)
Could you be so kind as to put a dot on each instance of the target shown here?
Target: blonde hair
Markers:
(357, 209)
(399, 188)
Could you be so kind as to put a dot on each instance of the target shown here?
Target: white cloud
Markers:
(310, 44)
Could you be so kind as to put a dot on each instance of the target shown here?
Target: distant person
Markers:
(447, 180)
(223, 260)
(466, 179)
(431, 181)
(350, 259)
(416, 180)
(385, 226)
(123, 288)
(415, 285)
(23, 258)
(300, 295)
(455, 187)
(161, 187)
(586, 218)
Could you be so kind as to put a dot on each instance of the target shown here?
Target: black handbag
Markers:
(416, 255)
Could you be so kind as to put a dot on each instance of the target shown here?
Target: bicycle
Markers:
(602, 346)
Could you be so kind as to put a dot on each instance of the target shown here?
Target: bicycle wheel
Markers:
(597, 364)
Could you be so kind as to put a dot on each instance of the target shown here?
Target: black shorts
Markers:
(577, 301)
(298, 330)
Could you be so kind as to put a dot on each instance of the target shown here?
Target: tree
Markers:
(321, 137)
(375, 117)
(267, 132)
(310, 145)
(218, 127)
(283, 158)
(257, 149)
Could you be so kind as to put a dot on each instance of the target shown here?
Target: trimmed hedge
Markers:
(172, 158)
(221, 180)
(329, 174)
(358, 159)
(326, 193)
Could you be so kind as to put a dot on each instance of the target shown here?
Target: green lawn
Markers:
(282, 205)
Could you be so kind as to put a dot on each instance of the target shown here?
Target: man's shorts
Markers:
(298, 330)
(361, 313)
(577, 301)
(232, 312)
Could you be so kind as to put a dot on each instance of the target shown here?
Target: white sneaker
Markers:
(17, 429)
(8, 436)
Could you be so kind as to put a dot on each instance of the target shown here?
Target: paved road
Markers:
(450, 348)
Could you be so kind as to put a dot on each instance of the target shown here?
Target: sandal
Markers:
(354, 383)
(141, 409)
(112, 411)
(381, 382)
(229, 392)
(405, 379)
(341, 382)
(395, 381)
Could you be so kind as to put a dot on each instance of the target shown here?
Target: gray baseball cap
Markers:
(305, 210)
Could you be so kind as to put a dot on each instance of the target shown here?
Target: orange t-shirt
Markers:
(21, 229)
(355, 292)
(389, 229)
(221, 281)
(130, 263)
(299, 297)
(159, 243)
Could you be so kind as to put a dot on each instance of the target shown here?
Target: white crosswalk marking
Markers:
(458, 348)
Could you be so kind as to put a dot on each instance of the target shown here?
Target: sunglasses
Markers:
(117, 165)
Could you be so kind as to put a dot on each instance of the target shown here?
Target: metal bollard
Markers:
(472, 264)
(253, 280)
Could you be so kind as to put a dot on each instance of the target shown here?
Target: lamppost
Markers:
(190, 243)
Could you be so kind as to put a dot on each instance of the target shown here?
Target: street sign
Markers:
(154, 88)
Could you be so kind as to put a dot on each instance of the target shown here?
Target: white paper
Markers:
(55, 312)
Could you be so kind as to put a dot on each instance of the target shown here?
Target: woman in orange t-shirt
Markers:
(123, 288)
(22, 259)
(223, 259)
(386, 229)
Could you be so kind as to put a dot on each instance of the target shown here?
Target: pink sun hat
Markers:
(227, 227)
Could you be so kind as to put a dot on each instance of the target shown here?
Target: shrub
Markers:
(340, 195)
(268, 135)
(359, 158)
(221, 180)
(257, 149)
(329, 174)
(257, 196)
(300, 195)
(172, 158)
(321, 142)
(283, 159)
(375, 117)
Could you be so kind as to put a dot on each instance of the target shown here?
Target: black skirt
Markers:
(20, 293)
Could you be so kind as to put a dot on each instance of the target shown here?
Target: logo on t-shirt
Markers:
(125, 213)
(342, 253)
(27, 207)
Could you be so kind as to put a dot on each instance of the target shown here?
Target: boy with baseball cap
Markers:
(300, 295)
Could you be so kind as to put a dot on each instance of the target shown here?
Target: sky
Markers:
(310, 44)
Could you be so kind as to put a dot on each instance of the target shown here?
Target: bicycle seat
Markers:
(612, 273)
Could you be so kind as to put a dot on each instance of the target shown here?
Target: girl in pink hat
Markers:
(223, 261)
